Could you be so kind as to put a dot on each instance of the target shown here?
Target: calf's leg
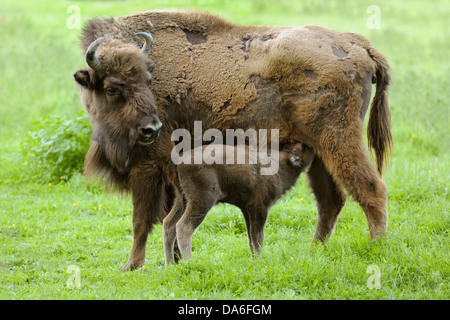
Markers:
(169, 228)
(255, 222)
(193, 216)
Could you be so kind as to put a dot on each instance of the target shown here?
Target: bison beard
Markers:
(312, 84)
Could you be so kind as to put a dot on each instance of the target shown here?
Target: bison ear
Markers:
(84, 78)
(150, 66)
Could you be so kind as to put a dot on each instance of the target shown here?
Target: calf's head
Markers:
(298, 156)
(115, 91)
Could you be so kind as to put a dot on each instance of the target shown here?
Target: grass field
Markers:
(47, 227)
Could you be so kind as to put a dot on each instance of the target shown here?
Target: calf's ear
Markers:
(84, 78)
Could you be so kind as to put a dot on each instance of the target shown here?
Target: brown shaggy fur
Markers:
(312, 84)
(201, 186)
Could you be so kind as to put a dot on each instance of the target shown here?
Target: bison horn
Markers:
(147, 47)
(91, 59)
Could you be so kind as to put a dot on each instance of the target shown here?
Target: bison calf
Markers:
(200, 186)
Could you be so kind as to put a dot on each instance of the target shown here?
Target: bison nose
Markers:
(149, 132)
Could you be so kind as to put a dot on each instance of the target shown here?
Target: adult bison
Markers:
(312, 84)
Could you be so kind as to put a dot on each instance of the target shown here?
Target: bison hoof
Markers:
(131, 266)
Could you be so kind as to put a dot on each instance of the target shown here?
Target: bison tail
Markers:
(379, 126)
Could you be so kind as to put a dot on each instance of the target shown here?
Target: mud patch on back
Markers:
(339, 52)
(248, 40)
(194, 38)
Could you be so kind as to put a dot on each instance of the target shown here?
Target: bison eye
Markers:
(111, 91)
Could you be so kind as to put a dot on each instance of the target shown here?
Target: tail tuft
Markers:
(379, 126)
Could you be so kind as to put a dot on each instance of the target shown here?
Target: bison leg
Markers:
(169, 229)
(193, 216)
(255, 222)
(170, 200)
(247, 226)
(247, 219)
(338, 141)
(148, 205)
(372, 196)
(141, 229)
(330, 199)
(351, 167)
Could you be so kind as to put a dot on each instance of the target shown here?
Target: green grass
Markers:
(45, 228)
